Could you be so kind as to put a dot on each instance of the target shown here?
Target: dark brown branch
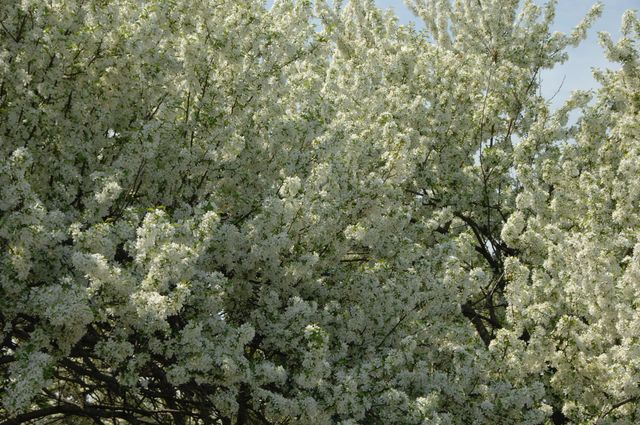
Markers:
(620, 404)
(476, 320)
(72, 410)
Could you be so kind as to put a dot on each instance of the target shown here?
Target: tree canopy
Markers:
(214, 212)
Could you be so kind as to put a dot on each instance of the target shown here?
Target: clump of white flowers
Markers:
(217, 213)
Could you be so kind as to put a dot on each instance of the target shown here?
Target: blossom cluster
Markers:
(212, 212)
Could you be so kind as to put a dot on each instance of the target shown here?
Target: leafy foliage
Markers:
(215, 213)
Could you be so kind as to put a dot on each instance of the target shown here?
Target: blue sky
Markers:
(577, 71)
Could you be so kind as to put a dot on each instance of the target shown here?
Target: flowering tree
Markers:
(215, 213)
